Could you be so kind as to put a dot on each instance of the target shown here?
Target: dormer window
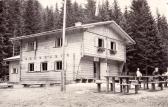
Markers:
(32, 45)
(58, 42)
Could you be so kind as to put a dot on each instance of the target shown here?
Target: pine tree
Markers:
(5, 45)
(90, 12)
(32, 17)
(56, 17)
(104, 10)
(78, 12)
(162, 26)
(145, 54)
(116, 13)
(49, 21)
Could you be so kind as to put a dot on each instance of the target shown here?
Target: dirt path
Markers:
(79, 95)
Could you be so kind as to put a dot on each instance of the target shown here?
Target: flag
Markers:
(97, 7)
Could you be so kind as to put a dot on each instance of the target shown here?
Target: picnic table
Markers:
(123, 84)
(147, 80)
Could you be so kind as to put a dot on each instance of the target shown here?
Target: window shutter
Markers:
(103, 43)
(50, 66)
(27, 46)
(37, 66)
(66, 42)
(115, 47)
(108, 44)
(35, 45)
(96, 41)
(56, 42)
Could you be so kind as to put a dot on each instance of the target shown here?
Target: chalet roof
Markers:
(113, 24)
(14, 58)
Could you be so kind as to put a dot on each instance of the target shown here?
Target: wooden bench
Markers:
(137, 85)
(157, 82)
(99, 82)
(6, 86)
(28, 85)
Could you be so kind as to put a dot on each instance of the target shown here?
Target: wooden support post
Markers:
(107, 78)
(147, 83)
(153, 86)
(120, 85)
(99, 87)
(128, 87)
(113, 84)
(161, 86)
(136, 89)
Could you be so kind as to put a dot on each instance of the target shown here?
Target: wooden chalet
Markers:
(91, 52)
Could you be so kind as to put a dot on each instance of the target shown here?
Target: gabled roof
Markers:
(14, 58)
(113, 24)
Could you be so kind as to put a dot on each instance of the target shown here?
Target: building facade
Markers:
(91, 52)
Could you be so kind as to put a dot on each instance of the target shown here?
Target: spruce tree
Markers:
(90, 12)
(49, 21)
(56, 17)
(104, 10)
(116, 13)
(162, 26)
(145, 53)
(32, 17)
(5, 44)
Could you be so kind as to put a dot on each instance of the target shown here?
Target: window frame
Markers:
(102, 44)
(41, 66)
(30, 68)
(58, 42)
(114, 45)
(16, 70)
(32, 45)
(60, 65)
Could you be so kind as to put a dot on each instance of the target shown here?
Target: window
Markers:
(14, 71)
(113, 46)
(44, 66)
(31, 46)
(58, 42)
(58, 65)
(31, 67)
(100, 43)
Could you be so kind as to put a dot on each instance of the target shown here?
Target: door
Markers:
(96, 70)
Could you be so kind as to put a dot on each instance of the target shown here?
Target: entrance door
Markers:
(97, 70)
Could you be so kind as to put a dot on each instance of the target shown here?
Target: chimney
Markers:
(78, 23)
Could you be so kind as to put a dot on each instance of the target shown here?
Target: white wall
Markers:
(14, 77)
(47, 52)
(106, 33)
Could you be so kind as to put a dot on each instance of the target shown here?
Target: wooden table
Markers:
(152, 77)
(126, 78)
(108, 81)
(121, 78)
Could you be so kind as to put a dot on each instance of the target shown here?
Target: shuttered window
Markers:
(100, 43)
(32, 45)
(31, 67)
(44, 66)
(58, 42)
(58, 65)
(113, 46)
(14, 71)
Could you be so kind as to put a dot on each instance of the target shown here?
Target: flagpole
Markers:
(63, 73)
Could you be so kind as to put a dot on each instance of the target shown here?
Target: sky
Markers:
(161, 5)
